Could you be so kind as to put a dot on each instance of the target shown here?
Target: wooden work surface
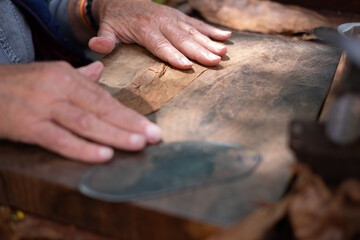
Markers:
(248, 99)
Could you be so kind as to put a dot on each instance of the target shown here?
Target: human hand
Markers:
(166, 32)
(59, 108)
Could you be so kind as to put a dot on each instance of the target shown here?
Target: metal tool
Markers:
(332, 149)
(343, 125)
(168, 168)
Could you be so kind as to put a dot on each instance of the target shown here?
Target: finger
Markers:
(51, 136)
(158, 45)
(212, 46)
(96, 100)
(88, 125)
(185, 44)
(208, 30)
(92, 71)
(132, 121)
(106, 40)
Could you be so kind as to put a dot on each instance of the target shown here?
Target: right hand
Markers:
(166, 32)
(58, 107)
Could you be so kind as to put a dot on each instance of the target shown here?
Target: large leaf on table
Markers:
(259, 16)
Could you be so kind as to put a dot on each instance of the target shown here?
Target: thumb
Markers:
(105, 42)
(92, 71)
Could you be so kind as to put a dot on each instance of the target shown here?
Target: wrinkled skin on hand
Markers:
(58, 107)
(166, 32)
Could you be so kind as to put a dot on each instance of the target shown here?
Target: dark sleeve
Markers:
(58, 9)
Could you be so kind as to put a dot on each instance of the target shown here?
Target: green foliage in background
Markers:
(159, 1)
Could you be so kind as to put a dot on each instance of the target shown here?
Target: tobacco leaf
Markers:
(314, 211)
(144, 83)
(260, 16)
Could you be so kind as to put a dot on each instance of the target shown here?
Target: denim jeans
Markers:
(16, 44)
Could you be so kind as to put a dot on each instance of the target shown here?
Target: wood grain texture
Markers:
(43, 183)
(23, 228)
(248, 99)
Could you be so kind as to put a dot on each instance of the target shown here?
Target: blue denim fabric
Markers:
(62, 48)
(16, 44)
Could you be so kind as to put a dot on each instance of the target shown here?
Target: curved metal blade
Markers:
(168, 168)
(348, 43)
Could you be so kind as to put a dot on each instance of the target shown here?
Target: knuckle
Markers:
(60, 72)
(46, 71)
(197, 23)
(160, 45)
(163, 16)
(86, 121)
(162, 13)
(51, 138)
(105, 104)
(142, 22)
(104, 97)
(192, 31)
(182, 38)
(167, 27)
(59, 141)
(143, 28)
(66, 79)
(66, 72)
(201, 24)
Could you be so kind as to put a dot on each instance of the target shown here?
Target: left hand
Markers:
(61, 108)
(166, 32)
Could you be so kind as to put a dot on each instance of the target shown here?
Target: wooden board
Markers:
(248, 99)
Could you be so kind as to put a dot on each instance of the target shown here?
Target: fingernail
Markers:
(185, 62)
(137, 140)
(153, 133)
(91, 40)
(106, 153)
(219, 47)
(213, 56)
(99, 66)
(222, 32)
